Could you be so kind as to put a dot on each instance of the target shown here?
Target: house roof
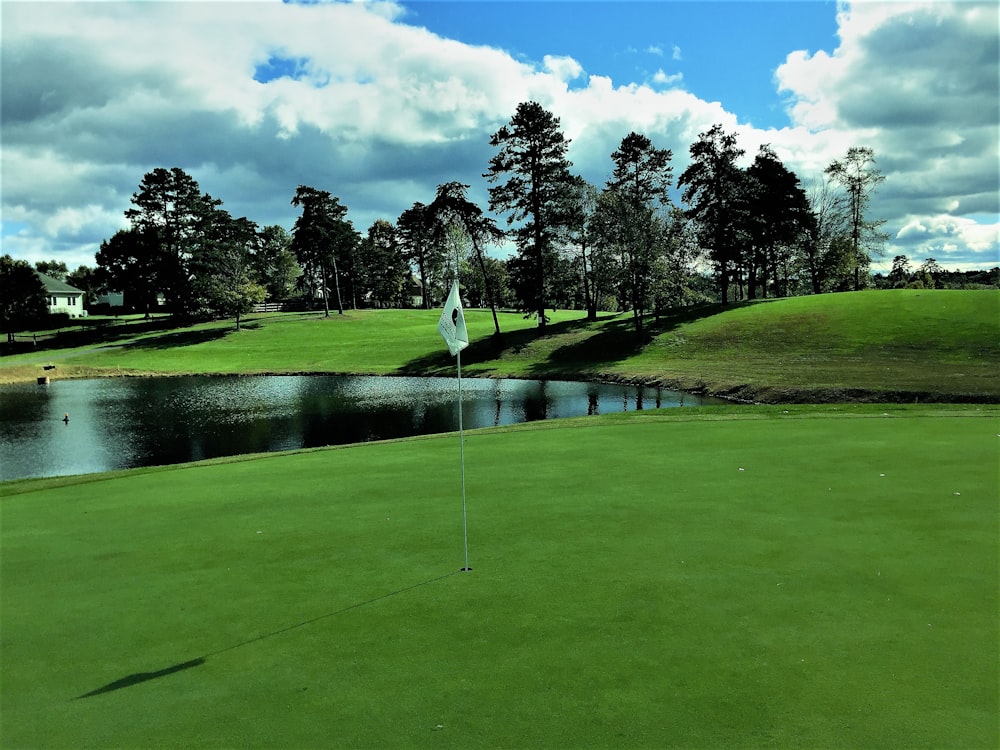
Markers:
(54, 285)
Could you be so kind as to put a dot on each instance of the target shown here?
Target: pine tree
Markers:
(537, 192)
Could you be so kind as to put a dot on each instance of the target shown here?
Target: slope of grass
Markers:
(890, 345)
(731, 579)
(902, 340)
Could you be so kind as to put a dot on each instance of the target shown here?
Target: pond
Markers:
(122, 423)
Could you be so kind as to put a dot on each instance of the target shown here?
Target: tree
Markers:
(826, 250)
(174, 218)
(637, 196)
(778, 217)
(536, 192)
(225, 282)
(128, 262)
(712, 190)
(672, 285)
(472, 279)
(581, 235)
(22, 295)
(320, 234)
(274, 263)
(55, 268)
(930, 272)
(85, 279)
(383, 267)
(451, 208)
(415, 233)
(859, 177)
(900, 272)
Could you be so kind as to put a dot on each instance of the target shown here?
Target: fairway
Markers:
(774, 577)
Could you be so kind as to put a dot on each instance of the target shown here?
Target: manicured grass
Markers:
(734, 578)
(889, 345)
(900, 340)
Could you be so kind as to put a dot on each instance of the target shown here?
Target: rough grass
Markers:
(730, 579)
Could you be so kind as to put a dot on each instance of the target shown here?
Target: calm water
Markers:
(127, 422)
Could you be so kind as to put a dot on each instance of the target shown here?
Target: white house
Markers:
(62, 297)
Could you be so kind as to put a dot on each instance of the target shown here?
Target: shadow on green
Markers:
(140, 677)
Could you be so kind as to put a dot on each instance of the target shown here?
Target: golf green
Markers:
(778, 577)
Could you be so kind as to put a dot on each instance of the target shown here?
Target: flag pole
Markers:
(461, 453)
(452, 328)
(461, 432)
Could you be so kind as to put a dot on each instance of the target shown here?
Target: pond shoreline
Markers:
(738, 393)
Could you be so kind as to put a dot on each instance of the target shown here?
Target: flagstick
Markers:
(461, 453)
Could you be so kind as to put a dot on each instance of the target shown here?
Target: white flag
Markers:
(452, 323)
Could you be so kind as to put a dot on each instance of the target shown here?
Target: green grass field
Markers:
(890, 345)
(732, 578)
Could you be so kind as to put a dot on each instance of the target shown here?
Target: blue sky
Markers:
(726, 50)
(380, 102)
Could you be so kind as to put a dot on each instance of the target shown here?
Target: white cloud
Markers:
(380, 112)
(663, 79)
(918, 83)
(655, 50)
(942, 236)
(564, 68)
(676, 55)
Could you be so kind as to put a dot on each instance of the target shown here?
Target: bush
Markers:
(55, 320)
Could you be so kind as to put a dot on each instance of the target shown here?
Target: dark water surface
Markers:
(122, 423)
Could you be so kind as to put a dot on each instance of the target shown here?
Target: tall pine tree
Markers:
(713, 190)
(537, 192)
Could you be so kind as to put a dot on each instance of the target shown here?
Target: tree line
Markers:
(738, 233)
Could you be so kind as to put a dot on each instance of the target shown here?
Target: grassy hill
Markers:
(887, 345)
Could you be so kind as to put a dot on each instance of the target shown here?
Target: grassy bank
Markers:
(730, 579)
(900, 345)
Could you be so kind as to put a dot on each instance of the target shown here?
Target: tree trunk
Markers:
(724, 282)
(591, 303)
(326, 304)
(423, 282)
(336, 283)
(486, 284)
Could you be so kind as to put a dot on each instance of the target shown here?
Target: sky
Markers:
(380, 102)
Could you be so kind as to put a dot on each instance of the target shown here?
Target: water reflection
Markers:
(122, 423)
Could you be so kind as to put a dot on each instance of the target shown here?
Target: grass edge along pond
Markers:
(729, 577)
(889, 346)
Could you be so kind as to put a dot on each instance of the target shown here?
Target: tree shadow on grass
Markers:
(494, 347)
(182, 338)
(140, 677)
(86, 334)
(582, 346)
(618, 340)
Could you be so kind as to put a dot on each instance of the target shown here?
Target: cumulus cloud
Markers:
(564, 68)
(350, 98)
(664, 79)
(918, 83)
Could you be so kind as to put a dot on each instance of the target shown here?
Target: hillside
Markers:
(894, 345)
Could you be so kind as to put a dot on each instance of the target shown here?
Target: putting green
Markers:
(703, 579)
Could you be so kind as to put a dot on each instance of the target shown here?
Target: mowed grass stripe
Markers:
(639, 582)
